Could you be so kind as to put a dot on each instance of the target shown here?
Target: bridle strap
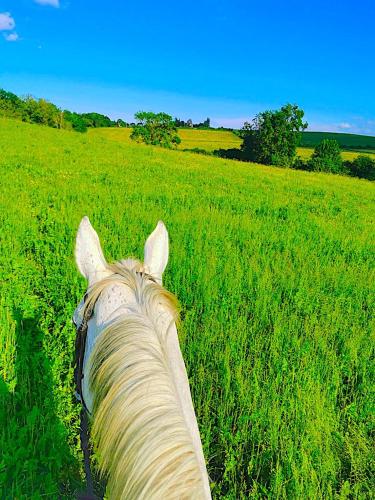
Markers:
(80, 347)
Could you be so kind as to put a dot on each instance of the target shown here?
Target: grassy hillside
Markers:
(346, 141)
(114, 134)
(190, 138)
(274, 270)
(209, 140)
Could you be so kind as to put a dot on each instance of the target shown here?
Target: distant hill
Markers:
(346, 141)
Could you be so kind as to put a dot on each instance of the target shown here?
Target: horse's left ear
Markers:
(156, 252)
(89, 255)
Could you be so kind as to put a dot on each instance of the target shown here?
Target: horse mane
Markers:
(144, 445)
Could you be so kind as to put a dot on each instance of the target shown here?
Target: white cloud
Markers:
(345, 125)
(6, 21)
(325, 127)
(53, 3)
(12, 37)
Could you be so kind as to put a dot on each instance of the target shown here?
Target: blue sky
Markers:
(224, 59)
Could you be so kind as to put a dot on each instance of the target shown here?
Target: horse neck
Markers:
(181, 382)
(144, 424)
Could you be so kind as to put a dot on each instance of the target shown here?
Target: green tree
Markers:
(121, 123)
(96, 120)
(364, 167)
(74, 121)
(11, 105)
(273, 136)
(158, 129)
(327, 157)
(42, 112)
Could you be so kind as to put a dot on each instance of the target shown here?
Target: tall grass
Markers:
(274, 271)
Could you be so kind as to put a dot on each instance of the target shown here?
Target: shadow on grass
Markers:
(35, 456)
(199, 151)
(230, 154)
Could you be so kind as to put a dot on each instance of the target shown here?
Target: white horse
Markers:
(135, 385)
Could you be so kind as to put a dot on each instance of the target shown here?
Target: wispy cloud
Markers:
(323, 127)
(344, 125)
(6, 21)
(52, 3)
(11, 37)
(357, 125)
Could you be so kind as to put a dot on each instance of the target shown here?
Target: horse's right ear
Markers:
(88, 252)
(157, 251)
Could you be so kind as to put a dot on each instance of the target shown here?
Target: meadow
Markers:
(211, 140)
(274, 272)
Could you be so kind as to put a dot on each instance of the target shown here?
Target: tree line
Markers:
(189, 123)
(43, 112)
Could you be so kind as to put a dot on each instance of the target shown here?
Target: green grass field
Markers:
(274, 270)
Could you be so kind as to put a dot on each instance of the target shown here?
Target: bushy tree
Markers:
(74, 121)
(273, 136)
(327, 157)
(363, 166)
(42, 112)
(11, 105)
(158, 129)
(97, 120)
(121, 123)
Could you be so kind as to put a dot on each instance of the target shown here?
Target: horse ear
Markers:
(88, 252)
(156, 251)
